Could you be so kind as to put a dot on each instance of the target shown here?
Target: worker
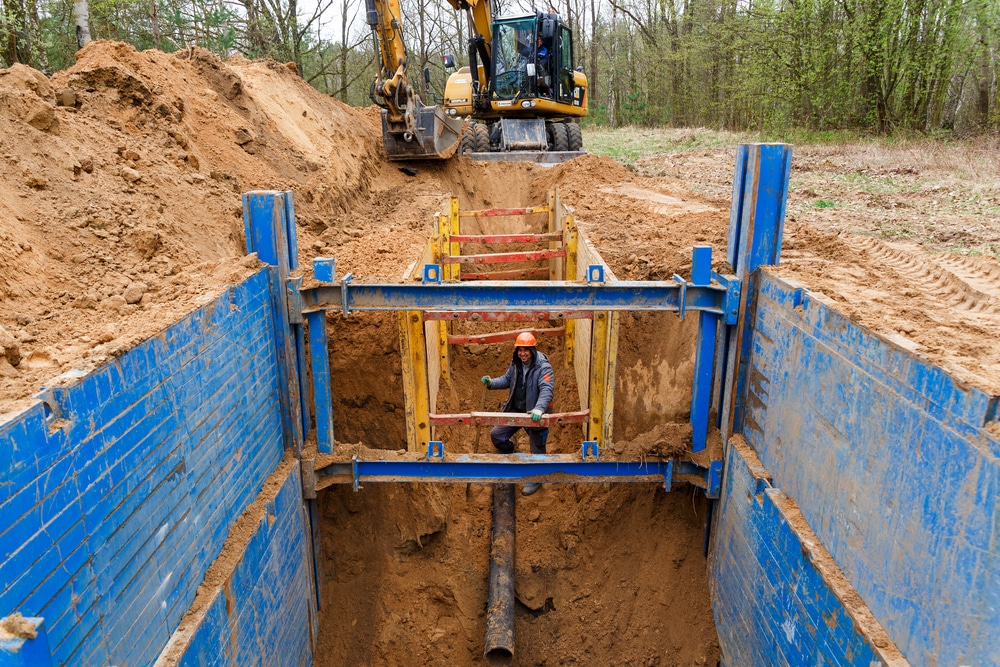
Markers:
(544, 76)
(529, 378)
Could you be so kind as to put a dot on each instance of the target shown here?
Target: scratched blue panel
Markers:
(772, 607)
(840, 399)
(211, 641)
(117, 454)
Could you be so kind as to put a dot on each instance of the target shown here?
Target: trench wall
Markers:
(894, 464)
(118, 488)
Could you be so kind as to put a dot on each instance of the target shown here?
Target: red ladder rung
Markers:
(493, 212)
(503, 336)
(503, 257)
(504, 238)
(496, 316)
(526, 274)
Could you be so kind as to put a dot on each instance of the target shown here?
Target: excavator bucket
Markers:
(436, 137)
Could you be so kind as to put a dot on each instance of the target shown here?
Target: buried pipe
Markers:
(500, 611)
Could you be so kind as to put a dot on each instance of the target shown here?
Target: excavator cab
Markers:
(524, 97)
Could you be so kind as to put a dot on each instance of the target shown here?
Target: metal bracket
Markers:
(293, 292)
(682, 297)
(432, 274)
(324, 269)
(308, 468)
(731, 302)
(439, 446)
(668, 476)
(713, 480)
(591, 446)
(595, 273)
(344, 282)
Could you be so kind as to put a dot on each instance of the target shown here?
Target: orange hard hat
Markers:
(525, 339)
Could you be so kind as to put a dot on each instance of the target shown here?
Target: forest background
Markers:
(769, 66)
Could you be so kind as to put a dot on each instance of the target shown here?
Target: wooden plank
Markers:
(598, 377)
(569, 341)
(415, 391)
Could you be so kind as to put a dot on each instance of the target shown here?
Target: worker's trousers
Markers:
(501, 437)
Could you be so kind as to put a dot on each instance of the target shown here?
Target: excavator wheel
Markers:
(481, 134)
(468, 143)
(574, 136)
(560, 142)
(476, 139)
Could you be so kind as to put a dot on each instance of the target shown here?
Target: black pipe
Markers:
(500, 612)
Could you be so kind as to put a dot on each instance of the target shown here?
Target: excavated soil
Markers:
(120, 211)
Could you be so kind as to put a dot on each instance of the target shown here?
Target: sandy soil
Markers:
(120, 211)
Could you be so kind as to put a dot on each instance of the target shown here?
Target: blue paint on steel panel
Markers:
(509, 296)
(35, 652)
(322, 397)
(115, 447)
(740, 186)
(771, 604)
(843, 399)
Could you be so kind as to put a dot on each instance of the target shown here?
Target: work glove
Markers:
(536, 415)
(486, 380)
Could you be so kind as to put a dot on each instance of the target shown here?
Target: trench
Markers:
(611, 574)
(604, 574)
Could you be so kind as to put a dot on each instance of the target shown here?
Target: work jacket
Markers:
(537, 380)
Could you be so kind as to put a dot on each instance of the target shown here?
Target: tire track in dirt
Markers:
(958, 282)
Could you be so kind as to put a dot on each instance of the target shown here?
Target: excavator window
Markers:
(513, 51)
(565, 75)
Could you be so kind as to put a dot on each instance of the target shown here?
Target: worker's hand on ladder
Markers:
(486, 380)
(536, 415)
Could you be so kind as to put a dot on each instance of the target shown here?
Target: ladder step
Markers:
(508, 419)
(503, 257)
(503, 336)
(494, 212)
(526, 274)
(504, 238)
(500, 316)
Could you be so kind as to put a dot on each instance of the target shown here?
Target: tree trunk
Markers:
(81, 15)
(154, 20)
(592, 74)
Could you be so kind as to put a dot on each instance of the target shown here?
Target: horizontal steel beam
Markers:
(512, 296)
(508, 419)
(500, 468)
(497, 468)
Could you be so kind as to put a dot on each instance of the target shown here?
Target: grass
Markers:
(629, 145)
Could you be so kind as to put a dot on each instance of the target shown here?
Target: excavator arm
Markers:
(410, 129)
(480, 20)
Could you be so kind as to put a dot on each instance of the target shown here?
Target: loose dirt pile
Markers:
(120, 211)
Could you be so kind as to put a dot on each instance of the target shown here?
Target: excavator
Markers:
(520, 88)
(521, 96)
(411, 130)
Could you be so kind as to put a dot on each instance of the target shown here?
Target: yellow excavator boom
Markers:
(410, 129)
